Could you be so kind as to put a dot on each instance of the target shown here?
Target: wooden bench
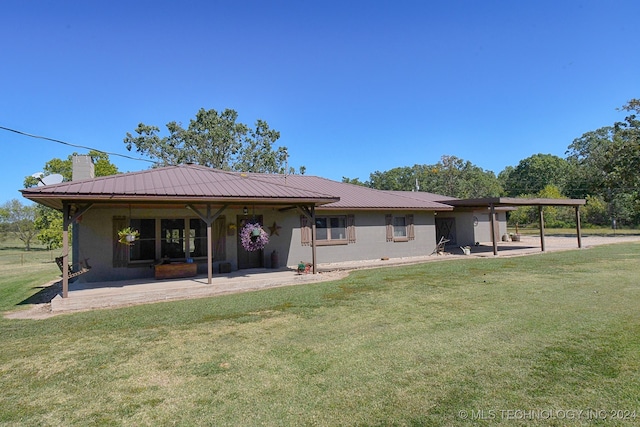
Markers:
(176, 270)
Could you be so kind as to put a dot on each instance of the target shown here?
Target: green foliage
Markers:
(554, 216)
(451, 176)
(48, 222)
(213, 139)
(355, 181)
(596, 211)
(534, 173)
(605, 164)
(101, 162)
(19, 220)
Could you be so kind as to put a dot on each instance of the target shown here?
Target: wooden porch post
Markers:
(541, 218)
(310, 213)
(208, 219)
(493, 228)
(313, 238)
(578, 229)
(209, 246)
(66, 220)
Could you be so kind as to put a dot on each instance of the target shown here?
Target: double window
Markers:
(330, 230)
(175, 239)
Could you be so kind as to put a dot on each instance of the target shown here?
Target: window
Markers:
(172, 242)
(145, 248)
(338, 229)
(399, 228)
(197, 238)
(176, 239)
(331, 229)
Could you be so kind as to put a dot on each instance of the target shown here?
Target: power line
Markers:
(76, 145)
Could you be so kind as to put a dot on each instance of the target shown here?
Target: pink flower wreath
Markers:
(250, 242)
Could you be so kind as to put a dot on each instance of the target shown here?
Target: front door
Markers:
(248, 259)
(446, 227)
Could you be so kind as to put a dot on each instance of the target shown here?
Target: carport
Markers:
(493, 202)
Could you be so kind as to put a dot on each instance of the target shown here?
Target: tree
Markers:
(451, 176)
(354, 181)
(19, 221)
(213, 139)
(536, 172)
(591, 164)
(554, 216)
(48, 223)
(625, 156)
(606, 163)
(101, 162)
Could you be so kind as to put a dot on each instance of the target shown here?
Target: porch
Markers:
(100, 295)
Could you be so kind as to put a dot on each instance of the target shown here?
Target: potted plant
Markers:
(128, 236)
(515, 237)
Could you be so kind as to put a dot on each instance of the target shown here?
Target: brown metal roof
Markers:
(193, 183)
(184, 183)
(354, 196)
(423, 195)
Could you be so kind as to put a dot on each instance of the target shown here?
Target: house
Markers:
(194, 214)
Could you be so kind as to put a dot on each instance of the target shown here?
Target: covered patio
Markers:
(505, 202)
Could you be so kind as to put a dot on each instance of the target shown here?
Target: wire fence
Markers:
(17, 257)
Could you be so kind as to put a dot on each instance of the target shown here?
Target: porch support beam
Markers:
(209, 220)
(541, 218)
(310, 213)
(67, 219)
(578, 228)
(492, 214)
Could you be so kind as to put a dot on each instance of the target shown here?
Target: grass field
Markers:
(518, 341)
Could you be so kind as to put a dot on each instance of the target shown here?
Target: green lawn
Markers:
(519, 341)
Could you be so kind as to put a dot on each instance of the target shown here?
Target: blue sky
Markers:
(354, 87)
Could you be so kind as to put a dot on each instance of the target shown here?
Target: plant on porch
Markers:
(253, 237)
(128, 236)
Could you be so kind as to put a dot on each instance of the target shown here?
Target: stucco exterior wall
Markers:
(95, 239)
(370, 240)
(482, 232)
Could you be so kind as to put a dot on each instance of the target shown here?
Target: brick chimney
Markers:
(83, 167)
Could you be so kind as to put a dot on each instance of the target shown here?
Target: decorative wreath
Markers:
(253, 237)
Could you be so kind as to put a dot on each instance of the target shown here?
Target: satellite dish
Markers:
(55, 178)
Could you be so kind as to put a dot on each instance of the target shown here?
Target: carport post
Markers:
(493, 229)
(541, 217)
(578, 229)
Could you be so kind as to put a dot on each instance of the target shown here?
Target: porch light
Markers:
(245, 211)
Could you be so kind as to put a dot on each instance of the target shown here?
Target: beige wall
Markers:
(96, 241)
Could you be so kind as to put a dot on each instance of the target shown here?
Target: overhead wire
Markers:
(76, 145)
